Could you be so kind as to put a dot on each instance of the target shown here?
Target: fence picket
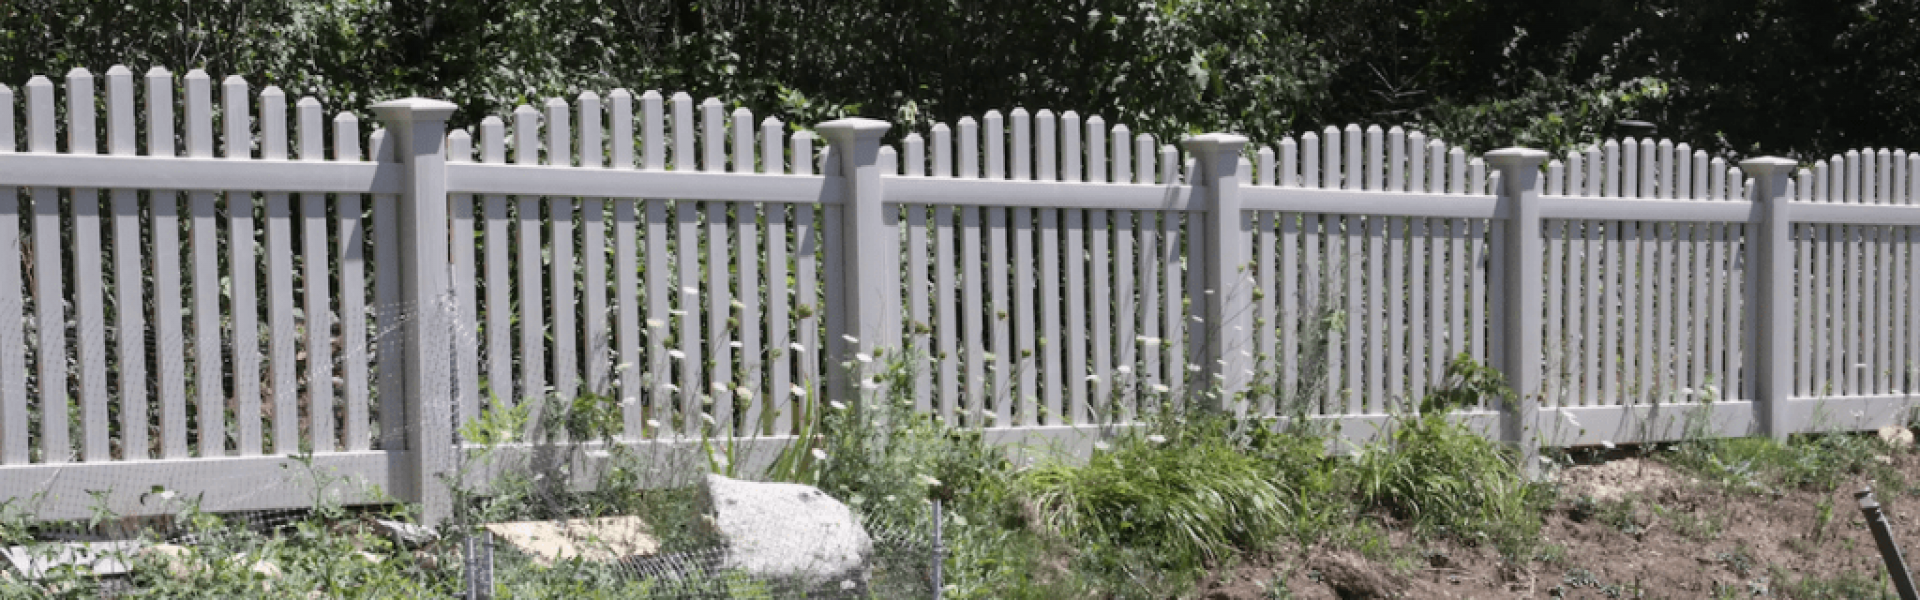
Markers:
(1053, 341)
(48, 283)
(500, 379)
(242, 269)
(629, 332)
(130, 353)
(1002, 344)
(971, 306)
(1310, 155)
(595, 352)
(919, 325)
(353, 293)
(386, 251)
(1127, 350)
(946, 323)
(14, 446)
(205, 279)
(278, 224)
(781, 347)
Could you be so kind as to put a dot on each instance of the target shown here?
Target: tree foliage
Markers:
(1799, 77)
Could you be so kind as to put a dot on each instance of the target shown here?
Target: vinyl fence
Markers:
(191, 311)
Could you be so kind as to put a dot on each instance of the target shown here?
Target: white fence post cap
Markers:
(1515, 156)
(415, 108)
(1765, 165)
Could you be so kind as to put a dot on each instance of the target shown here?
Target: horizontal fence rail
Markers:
(224, 295)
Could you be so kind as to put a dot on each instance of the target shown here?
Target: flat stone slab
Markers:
(97, 558)
(606, 539)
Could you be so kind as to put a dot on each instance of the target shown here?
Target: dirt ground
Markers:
(1646, 532)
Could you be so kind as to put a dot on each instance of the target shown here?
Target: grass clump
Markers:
(1187, 500)
(1814, 462)
(1446, 479)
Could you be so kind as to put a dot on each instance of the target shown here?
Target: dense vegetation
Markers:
(1800, 77)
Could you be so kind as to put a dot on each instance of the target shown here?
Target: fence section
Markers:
(696, 272)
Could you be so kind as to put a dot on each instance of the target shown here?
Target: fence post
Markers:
(1227, 302)
(1523, 319)
(1774, 284)
(869, 299)
(419, 130)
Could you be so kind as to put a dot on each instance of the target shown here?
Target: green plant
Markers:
(1186, 500)
(1447, 479)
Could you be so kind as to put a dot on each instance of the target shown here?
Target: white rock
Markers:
(1896, 436)
(788, 531)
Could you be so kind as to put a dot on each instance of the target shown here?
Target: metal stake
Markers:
(939, 550)
(1883, 536)
(479, 553)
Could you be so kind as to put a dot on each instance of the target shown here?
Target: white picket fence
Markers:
(711, 273)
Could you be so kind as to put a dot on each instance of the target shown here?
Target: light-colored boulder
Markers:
(596, 540)
(788, 531)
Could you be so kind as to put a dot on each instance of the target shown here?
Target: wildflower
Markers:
(1146, 340)
(1193, 368)
(708, 418)
(737, 304)
(720, 388)
(837, 405)
(1157, 438)
(677, 355)
(735, 344)
(622, 367)
(652, 423)
(986, 356)
(798, 392)
(850, 339)
(690, 291)
(1123, 369)
(926, 479)
(797, 347)
(1101, 445)
(670, 387)
(1161, 388)
(1093, 378)
(629, 401)
(819, 454)
(743, 393)
(869, 384)
(677, 313)
(656, 323)
(863, 357)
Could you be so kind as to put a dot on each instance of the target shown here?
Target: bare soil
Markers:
(1628, 528)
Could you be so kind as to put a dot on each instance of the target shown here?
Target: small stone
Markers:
(1897, 436)
(180, 560)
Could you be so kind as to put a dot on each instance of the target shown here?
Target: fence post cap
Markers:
(1212, 145)
(853, 128)
(414, 109)
(1516, 156)
(1767, 165)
